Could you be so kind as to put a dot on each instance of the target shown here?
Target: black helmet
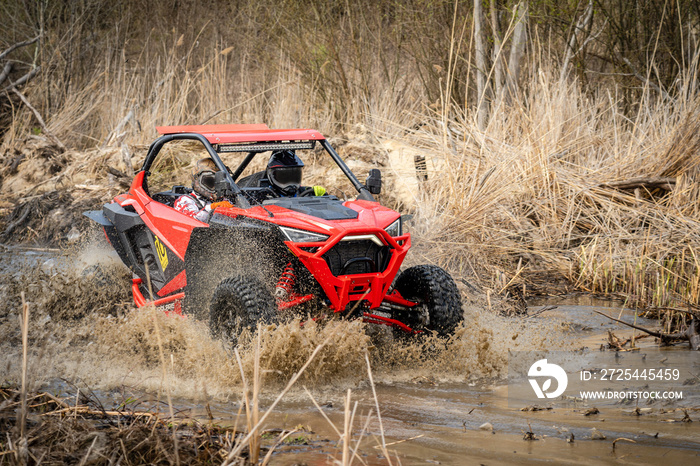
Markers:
(203, 177)
(284, 171)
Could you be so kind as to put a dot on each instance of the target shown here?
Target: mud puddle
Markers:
(434, 397)
(427, 421)
(441, 425)
(14, 259)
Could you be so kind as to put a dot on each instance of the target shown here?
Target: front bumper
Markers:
(345, 287)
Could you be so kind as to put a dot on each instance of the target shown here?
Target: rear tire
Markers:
(439, 303)
(239, 303)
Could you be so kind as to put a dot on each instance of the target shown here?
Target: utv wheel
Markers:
(239, 303)
(439, 304)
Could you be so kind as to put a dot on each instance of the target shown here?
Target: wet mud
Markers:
(437, 397)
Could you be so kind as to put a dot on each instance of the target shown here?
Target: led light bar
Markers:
(265, 146)
(372, 238)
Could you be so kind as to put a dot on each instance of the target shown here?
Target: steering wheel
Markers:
(259, 195)
(306, 192)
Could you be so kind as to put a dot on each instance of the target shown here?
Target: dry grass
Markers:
(80, 429)
(536, 192)
(557, 185)
(544, 189)
(41, 427)
(59, 431)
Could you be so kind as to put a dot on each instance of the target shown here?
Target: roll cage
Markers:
(253, 139)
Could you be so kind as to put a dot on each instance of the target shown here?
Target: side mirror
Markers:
(374, 181)
(221, 185)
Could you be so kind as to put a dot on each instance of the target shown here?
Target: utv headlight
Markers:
(302, 236)
(395, 228)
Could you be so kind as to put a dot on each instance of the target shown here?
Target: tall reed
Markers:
(535, 187)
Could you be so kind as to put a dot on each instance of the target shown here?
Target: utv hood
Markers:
(326, 208)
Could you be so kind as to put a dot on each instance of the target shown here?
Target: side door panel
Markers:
(169, 232)
(154, 238)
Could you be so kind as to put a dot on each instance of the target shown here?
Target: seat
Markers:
(169, 197)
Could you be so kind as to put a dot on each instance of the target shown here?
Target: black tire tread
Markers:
(243, 295)
(434, 287)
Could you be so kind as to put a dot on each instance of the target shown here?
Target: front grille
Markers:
(355, 257)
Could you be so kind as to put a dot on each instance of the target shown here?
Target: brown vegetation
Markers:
(40, 427)
(59, 431)
(556, 139)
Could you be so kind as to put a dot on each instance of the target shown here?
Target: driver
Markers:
(197, 204)
(282, 175)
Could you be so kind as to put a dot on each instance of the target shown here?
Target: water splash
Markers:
(85, 328)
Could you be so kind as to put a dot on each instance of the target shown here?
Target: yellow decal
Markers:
(162, 254)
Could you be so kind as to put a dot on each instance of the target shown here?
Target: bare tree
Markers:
(14, 86)
(517, 48)
(496, 58)
(582, 25)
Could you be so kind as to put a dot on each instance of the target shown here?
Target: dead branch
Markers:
(15, 164)
(56, 400)
(642, 78)
(664, 183)
(674, 309)
(614, 341)
(126, 158)
(650, 332)
(38, 117)
(620, 439)
(18, 45)
(22, 217)
(691, 305)
(118, 133)
(692, 333)
(87, 411)
(117, 173)
(24, 79)
(5, 72)
(619, 343)
(581, 26)
(540, 311)
(122, 178)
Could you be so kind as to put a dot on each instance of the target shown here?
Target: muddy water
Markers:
(433, 396)
(428, 421)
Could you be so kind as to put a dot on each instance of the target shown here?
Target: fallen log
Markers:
(691, 334)
(649, 183)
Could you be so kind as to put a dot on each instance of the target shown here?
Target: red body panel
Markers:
(209, 128)
(171, 227)
(177, 283)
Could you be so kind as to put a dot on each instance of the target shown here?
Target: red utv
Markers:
(260, 256)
